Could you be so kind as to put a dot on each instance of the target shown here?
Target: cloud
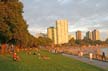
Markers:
(62, 2)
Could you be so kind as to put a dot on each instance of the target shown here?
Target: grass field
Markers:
(32, 62)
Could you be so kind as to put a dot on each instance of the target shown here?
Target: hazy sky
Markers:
(82, 15)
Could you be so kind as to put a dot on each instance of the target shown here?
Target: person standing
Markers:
(90, 56)
(3, 48)
(103, 56)
(81, 53)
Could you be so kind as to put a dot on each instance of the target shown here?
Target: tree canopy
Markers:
(13, 28)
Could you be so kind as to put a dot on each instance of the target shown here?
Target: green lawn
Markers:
(32, 62)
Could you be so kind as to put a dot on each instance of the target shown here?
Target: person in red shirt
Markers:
(14, 56)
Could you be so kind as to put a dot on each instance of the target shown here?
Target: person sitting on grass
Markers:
(34, 53)
(16, 57)
(44, 57)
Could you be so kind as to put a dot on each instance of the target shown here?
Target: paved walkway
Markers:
(97, 63)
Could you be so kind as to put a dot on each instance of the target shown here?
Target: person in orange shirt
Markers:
(3, 48)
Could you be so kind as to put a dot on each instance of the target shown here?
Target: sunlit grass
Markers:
(56, 62)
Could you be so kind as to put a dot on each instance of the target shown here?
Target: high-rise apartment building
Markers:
(96, 35)
(62, 31)
(59, 35)
(51, 33)
(78, 35)
(89, 35)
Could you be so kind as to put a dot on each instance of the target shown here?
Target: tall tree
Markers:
(13, 27)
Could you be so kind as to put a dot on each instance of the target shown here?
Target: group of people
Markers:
(90, 52)
(102, 57)
(9, 49)
(91, 56)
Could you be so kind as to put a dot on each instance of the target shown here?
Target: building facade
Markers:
(78, 35)
(96, 35)
(51, 33)
(62, 31)
(89, 35)
(59, 35)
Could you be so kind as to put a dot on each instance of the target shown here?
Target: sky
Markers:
(84, 15)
